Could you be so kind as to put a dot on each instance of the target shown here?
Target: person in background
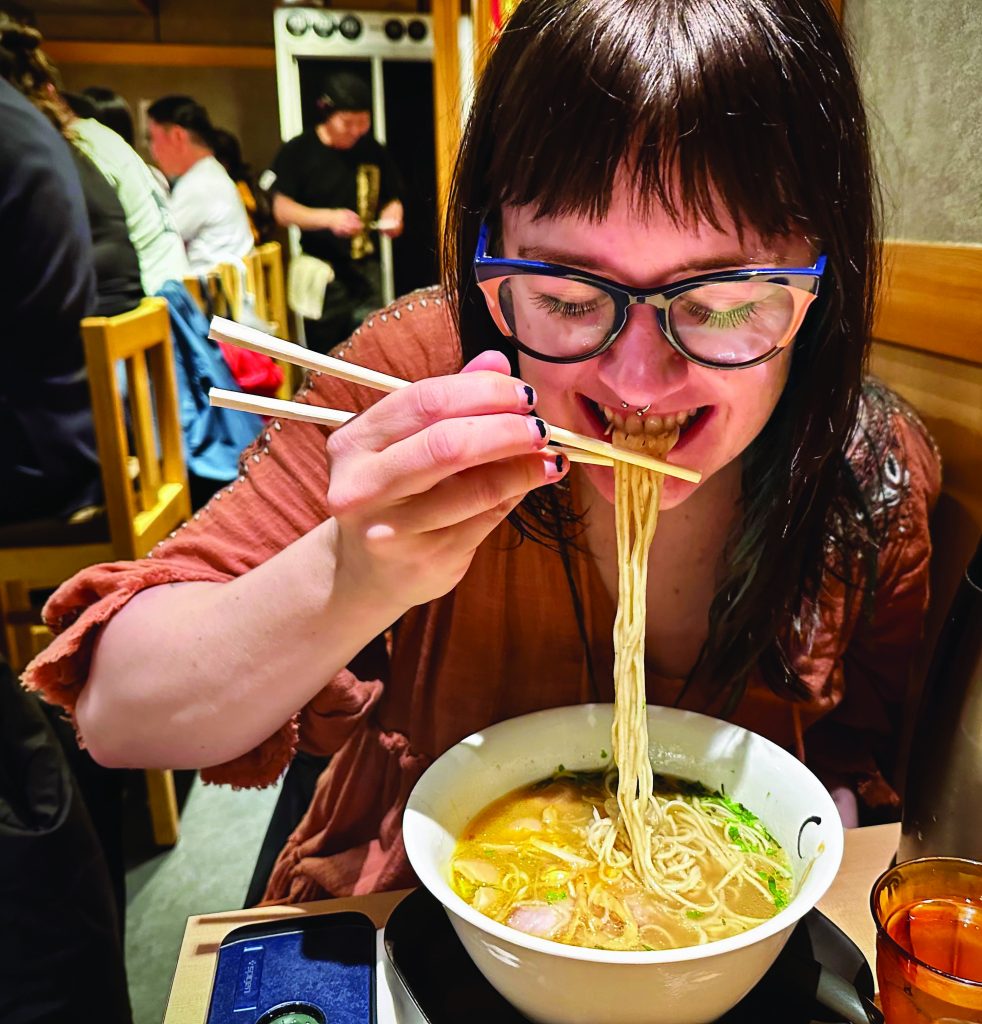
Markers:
(149, 224)
(338, 185)
(60, 942)
(61, 951)
(117, 268)
(204, 201)
(228, 152)
(48, 460)
(113, 111)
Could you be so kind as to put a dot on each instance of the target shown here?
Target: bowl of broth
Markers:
(503, 829)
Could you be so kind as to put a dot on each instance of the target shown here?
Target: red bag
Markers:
(253, 372)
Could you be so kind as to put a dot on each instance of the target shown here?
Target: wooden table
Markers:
(868, 852)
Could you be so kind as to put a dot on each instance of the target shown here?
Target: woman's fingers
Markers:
(416, 464)
(419, 480)
(434, 400)
(475, 492)
(489, 359)
(422, 549)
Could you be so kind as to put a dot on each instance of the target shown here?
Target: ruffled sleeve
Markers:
(279, 496)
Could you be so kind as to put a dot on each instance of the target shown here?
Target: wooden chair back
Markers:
(220, 292)
(274, 288)
(144, 509)
(255, 283)
(233, 286)
(217, 292)
(145, 485)
(271, 285)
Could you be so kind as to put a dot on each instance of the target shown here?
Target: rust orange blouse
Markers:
(503, 643)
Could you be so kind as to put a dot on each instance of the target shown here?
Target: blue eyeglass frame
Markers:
(488, 269)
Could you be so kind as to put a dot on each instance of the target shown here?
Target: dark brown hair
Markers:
(26, 67)
(754, 102)
(187, 113)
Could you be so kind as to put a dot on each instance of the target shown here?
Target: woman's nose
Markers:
(641, 366)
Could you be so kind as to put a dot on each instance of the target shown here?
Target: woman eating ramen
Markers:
(663, 221)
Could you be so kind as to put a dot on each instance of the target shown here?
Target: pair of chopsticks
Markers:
(577, 447)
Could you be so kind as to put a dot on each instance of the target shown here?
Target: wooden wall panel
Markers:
(169, 55)
(931, 298)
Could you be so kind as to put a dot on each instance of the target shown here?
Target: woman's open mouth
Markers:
(608, 420)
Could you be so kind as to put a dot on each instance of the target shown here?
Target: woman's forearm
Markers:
(196, 674)
(193, 674)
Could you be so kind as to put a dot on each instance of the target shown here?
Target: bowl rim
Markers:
(828, 862)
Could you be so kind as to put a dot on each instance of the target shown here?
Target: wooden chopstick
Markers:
(257, 341)
(234, 333)
(284, 410)
(278, 408)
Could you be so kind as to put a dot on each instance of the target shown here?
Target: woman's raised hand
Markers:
(421, 478)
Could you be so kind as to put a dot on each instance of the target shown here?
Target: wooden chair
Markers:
(144, 483)
(217, 292)
(255, 283)
(233, 286)
(265, 282)
(273, 288)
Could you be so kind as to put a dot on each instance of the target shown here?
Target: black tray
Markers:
(447, 988)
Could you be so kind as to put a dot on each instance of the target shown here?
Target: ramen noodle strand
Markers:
(637, 495)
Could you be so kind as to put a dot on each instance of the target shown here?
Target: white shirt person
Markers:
(204, 201)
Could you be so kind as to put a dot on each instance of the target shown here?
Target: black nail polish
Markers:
(541, 426)
(560, 463)
(530, 395)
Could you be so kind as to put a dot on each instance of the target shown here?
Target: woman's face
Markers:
(726, 408)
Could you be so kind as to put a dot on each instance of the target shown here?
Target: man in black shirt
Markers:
(338, 185)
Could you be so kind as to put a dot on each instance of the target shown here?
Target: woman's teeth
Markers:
(629, 422)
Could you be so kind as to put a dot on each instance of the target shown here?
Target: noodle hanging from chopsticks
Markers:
(637, 496)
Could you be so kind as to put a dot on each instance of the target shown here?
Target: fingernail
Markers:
(537, 429)
(554, 466)
(526, 394)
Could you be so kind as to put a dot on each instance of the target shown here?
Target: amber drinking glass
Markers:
(928, 915)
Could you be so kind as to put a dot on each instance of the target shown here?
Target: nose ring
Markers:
(641, 412)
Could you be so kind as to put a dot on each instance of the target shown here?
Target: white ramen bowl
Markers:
(560, 984)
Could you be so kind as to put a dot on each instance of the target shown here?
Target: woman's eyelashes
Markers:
(559, 307)
(721, 318)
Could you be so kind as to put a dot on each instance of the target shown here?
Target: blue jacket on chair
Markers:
(213, 438)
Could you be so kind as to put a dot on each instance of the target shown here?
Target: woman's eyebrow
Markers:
(718, 261)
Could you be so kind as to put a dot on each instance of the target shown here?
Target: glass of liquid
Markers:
(928, 915)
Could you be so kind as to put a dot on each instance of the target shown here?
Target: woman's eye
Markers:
(557, 307)
(722, 319)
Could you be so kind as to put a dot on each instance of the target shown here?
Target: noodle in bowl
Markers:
(556, 983)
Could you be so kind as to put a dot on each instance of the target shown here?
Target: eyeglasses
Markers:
(728, 319)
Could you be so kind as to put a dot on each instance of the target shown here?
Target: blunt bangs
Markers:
(691, 96)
